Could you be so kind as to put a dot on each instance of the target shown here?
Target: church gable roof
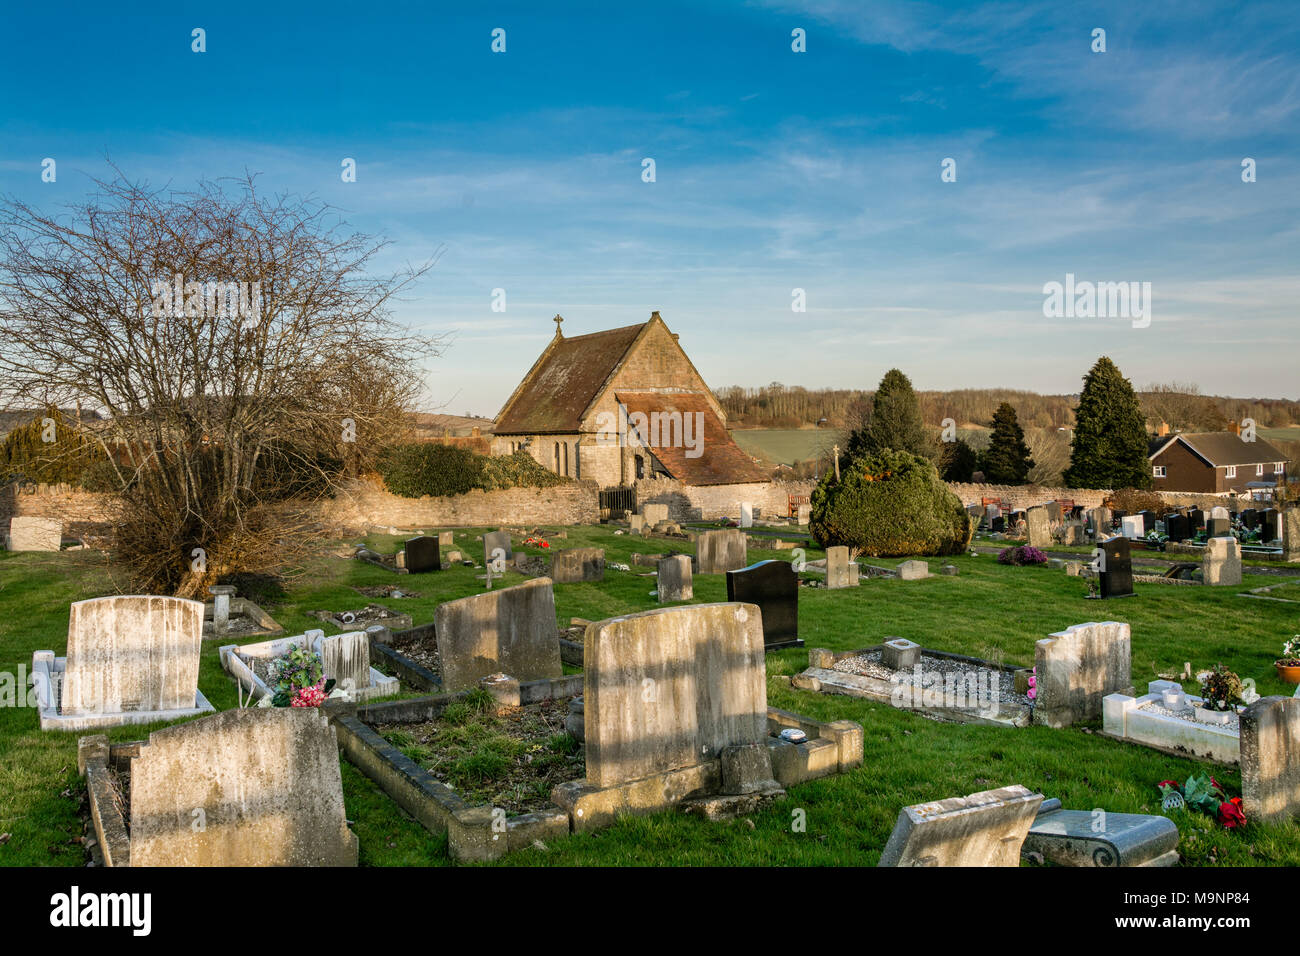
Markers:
(712, 458)
(564, 382)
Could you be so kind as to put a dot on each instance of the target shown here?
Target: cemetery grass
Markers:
(987, 611)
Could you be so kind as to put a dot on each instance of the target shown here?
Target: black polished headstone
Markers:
(422, 555)
(1116, 572)
(1271, 525)
(1250, 518)
(1197, 517)
(1177, 527)
(774, 587)
(999, 524)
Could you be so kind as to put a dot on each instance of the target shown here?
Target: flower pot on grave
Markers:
(1206, 716)
(1290, 673)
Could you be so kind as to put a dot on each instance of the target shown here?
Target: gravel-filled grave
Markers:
(510, 760)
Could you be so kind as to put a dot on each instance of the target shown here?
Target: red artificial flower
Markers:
(546, 544)
(1231, 815)
(1167, 783)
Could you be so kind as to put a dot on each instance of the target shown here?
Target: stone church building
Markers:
(621, 406)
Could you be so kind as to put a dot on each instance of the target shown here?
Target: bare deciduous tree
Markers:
(240, 344)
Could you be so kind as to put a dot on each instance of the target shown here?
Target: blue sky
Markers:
(775, 170)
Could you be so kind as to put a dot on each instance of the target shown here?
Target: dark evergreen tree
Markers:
(1110, 437)
(957, 460)
(895, 422)
(1006, 461)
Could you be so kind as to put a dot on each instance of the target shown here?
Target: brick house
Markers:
(1215, 463)
(618, 406)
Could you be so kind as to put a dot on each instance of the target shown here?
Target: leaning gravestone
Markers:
(495, 541)
(1221, 562)
(574, 565)
(774, 587)
(132, 653)
(345, 659)
(675, 579)
(1115, 568)
(983, 829)
(840, 571)
(1078, 667)
(28, 533)
(1270, 759)
(510, 631)
(1038, 528)
(718, 552)
(702, 668)
(422, 555)
(264, 782)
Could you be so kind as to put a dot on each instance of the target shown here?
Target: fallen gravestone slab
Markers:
(983, 829)
(1101, 838)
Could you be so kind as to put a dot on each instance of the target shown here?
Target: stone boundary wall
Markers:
(73, 506)
(1026, 496)
(709, 502)
(365, 503)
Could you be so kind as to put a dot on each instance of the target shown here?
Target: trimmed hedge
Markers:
(890, 504)
(426, 468)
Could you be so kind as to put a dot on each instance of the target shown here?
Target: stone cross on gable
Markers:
(557, 320)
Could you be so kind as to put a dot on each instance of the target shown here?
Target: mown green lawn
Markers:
(988, 610)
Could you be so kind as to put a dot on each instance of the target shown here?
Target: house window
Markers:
(1279, 468)
(1158, 471)
(640, 467)
(1259, 470)
(1230, 471)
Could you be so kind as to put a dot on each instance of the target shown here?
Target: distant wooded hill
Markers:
(1181, 406)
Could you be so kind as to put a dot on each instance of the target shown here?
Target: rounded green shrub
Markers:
(413, 471)
(889, 504)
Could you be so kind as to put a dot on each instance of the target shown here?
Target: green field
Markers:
(989, 610)
(785, 446)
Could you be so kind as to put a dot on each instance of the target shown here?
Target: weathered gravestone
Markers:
(1115, 568)
(1270, 759)
(345, 659)
(264, 782)
(913, 570)
(746, 515)
(654, 513)
(1073, 533)
(1038, 528)
(805, 515)
(1100, 521)
(675, 579)
(666, 693)
(1218, 511)
(982, 829)
(1221, 562)
(133, 654)
(446, 539)
(1290, 520)
(574, 565)
(422, 555)
(1218, 528)
(1078, 667)
(510, 631)
(28, 533)
(636, 524)
(718, 552)
(840, 571)
(496, 544)
(774, 587)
